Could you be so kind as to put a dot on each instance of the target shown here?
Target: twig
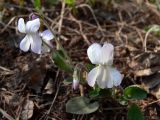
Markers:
(4, 69)
(8, 24)
(80, 29)
(48, 112)
(6, 115)
(61, 17)
(152, 103)
(153, 8)
(99, 27)
(54, 99)
(145, 40)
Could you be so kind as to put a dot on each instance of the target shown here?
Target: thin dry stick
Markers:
(119, 32)
(153, 8)
(83, 35)
(138, 31)
(54, 96)
(99, 26)
(6, 115)
(8, 24)
(61, 17)
(146, 36)
(81, 31)
(4, 69)
(53, 101)
(152, 103)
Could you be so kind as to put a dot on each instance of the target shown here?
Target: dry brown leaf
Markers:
(27, 111)
(146, 61)
(146, 72)
(156, 91)
(149, 82)
(49, 87)
(152, 84)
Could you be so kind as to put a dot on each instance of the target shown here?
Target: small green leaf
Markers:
(94, 93)
(122, 100)
(37, 4)
(153, 29)
(70, 2)
(91, 2)
(99, 93)
(81, 105)
(134, 113)
(89, 67)
(61, 61)
(135, 93)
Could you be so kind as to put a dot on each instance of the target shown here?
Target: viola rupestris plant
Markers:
(104, 75)
(101, 77)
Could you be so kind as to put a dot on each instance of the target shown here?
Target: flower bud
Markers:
(75, 84)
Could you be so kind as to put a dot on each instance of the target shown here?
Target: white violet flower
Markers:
(33, 37)
(104, 74)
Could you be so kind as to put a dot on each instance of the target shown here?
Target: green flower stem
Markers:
(58, 43)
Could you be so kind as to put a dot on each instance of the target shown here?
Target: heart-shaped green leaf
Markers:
(134, 113)
(81, 105)
(61, 61)
(135, 93)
